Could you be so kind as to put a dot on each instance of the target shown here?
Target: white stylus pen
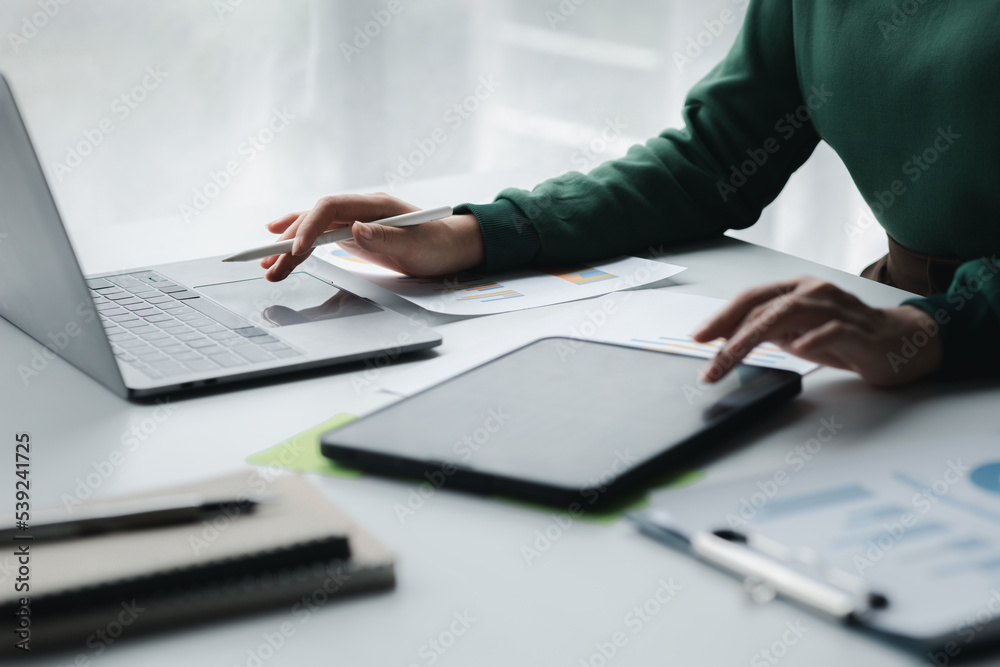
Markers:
(344, 234)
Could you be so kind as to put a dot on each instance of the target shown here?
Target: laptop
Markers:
(172, 327)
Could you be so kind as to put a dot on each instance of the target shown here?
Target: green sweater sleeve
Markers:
(968, 320)
(747, 129)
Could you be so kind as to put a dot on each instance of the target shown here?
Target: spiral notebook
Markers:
(294, 543)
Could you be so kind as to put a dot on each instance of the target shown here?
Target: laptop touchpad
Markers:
(299, 299)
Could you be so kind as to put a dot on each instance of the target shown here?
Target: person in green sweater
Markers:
(899, 90)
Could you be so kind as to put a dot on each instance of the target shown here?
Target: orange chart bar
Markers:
(579, 274)
(478, 288)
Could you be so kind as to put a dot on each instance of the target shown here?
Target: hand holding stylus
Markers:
(439, 247)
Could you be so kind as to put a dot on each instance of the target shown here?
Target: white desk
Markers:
(461, 554)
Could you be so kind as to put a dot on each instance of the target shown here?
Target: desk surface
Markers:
(459, 556)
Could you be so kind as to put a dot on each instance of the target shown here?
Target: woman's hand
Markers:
(434, 248)
(820, 322)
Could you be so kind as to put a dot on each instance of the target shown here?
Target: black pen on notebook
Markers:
(101, 518)
(343, 234)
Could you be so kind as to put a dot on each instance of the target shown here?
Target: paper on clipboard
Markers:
(920, 524)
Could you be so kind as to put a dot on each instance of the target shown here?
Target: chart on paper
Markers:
(465, 287)
(343, 256)
(476, 294)
(580, 274)
(915, 521)
(765, 354)
(663, 321)
(635, 318)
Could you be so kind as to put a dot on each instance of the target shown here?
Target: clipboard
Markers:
(902, 541)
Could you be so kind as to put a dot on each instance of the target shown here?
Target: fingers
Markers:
(381, 260)
(342, 210)
(725, 322)
(781, 322)
(375, 238)
(314, 223)
(280, 266)
(385, 246)
(328, 213)
(835, 343)
(825, 336)
(281, 224)
(286, 227)
(284, 265)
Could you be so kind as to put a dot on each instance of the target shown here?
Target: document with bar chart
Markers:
(918, 523)
(765, 354)
(655, 319)
(663, 321)
(476, 294)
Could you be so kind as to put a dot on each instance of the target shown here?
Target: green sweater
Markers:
(905, 91)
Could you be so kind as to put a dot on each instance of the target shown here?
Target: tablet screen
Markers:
(560, 412)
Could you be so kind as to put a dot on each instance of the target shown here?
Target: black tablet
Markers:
(559, 421)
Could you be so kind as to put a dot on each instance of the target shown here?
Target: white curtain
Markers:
(369, 94)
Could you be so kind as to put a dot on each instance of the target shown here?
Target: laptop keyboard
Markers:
(164, 329)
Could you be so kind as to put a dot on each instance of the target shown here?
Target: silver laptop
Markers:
(171, 327)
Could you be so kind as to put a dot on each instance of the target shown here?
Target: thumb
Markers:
(376, 238)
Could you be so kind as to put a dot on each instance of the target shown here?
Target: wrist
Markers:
(920, 343)
(468, 240)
